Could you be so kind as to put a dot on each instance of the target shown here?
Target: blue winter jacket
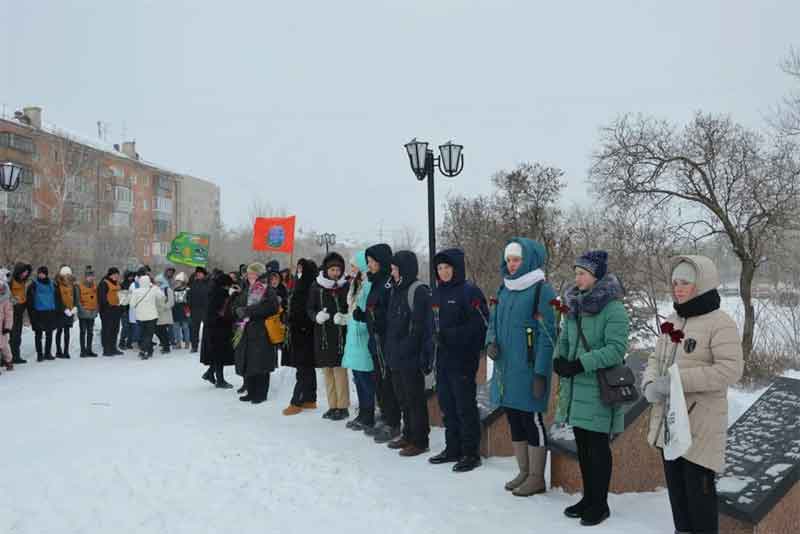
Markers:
(356, 349)
(515, 367)
(44, 296)
(462, 317)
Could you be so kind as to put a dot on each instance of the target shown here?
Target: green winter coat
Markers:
(605, 324)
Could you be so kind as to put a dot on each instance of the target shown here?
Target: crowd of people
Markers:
(373, 316)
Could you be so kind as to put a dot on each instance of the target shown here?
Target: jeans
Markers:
(180, 332)
(365, 388)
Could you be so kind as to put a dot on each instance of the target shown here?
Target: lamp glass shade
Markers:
(416, 154)
(450, 154)
(10, 174)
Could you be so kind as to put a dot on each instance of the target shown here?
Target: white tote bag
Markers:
(677, 428)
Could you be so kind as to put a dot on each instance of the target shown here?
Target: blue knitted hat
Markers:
(594, 261)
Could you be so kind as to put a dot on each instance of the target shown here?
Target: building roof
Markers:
(763, 453)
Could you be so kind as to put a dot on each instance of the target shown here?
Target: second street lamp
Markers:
(450, 163)
(326, 240)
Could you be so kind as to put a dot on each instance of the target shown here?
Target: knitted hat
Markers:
(112, 271)
(595, 262)
(65, 271)
(257, 267)
(273, 266)
(180, 277)
(685, 271)
(513, 250)
(89, 271)
(43, 270)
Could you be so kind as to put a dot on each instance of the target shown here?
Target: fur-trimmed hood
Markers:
(606, 289)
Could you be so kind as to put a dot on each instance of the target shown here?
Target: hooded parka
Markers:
(356, 351)
(299, 349)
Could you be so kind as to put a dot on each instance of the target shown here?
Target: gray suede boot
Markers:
(521, 453)
(534, 483)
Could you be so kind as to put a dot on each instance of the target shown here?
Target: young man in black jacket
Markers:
(407, 337)
(379, 262)
(197, 299)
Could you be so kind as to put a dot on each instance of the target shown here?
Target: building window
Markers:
(18, 142)
(119, 218)
(37, 181)
(160, 249)
(161, 227)
(144, 204)
(163, 204)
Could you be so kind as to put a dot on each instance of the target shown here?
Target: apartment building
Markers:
(104, 202)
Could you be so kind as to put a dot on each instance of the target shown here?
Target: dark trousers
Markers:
(86, 334)
(65, 332)
(257, 386)
(594, 457)
(110, 329)
(125, 338)
(147, 329)
(164, 334)
(16, 331)
(385, 394)
(409, 386)
(456, 391)
(693, 496)
(365, 388)
(194, 329)
(527, 426)
(48, 343)
(305, 387)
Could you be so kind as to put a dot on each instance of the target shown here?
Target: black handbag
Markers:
(617, 384)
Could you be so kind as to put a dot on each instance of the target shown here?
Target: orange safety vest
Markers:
(67, 292)
(88, 295)
(18, 289)
(113, 293)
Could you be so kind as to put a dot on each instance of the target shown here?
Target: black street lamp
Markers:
(10, 174)
(450, 163)
(326, 240)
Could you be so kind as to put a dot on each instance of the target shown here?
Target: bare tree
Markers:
(720, 178)
(786, 118)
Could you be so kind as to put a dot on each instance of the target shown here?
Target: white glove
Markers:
(658, 390)
(231, 291)
(74, 311)
(340, 319)
(323, 316)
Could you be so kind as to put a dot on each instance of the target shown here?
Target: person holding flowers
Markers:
(521, 340)
(459, 330)
(704, 343)
(594, 336)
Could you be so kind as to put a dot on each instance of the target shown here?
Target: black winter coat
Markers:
(217, 344)
(329, 338)
(198, 297)
(378, 298)
(299, 349)
(255, 355)
(462, 327)
(407, 332)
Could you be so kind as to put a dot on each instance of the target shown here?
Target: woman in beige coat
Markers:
(709, 358)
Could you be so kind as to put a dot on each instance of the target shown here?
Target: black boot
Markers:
(444, 457)
(467, 463)
(209, 375)
(220, 378)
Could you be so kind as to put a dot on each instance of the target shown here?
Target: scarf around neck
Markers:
(525, 281)
(700, 305)
(327, 283)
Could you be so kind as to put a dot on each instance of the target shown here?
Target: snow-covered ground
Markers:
(119, 445)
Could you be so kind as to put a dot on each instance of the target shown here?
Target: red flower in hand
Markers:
(677, 336)
(564, 309)
(435, 307)
(493, 301)
(476, 303)
(555, 303)
(667, 328)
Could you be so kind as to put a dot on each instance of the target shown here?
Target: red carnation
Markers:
(476, 303)
(434, 307)
(564, 309)
(677, 336)
(555, 303)
(667, 328)
(493, 301)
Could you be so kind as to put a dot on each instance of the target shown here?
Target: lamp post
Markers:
(326, 240)
(10, 174)
(450, 163)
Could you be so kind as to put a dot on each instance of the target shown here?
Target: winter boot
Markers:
(309, 405)
(399, 443)
(292, 409)
(412, 450)
(328, 414)
(444, 457)
(9, 366)
(222, 384)
(534, 484)
(209, 375)
(467, 463)
(386, 434)
(242, 389)
(521, 453)
(594, 515)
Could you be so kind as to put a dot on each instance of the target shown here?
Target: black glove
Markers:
(240, 312)
(567, 368)
(6, 332)
(539, 386)
(359, 315)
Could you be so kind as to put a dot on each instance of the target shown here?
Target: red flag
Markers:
(274, 234)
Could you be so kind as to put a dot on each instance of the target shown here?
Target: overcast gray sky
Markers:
(307, 104)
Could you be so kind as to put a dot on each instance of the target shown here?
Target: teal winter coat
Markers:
(512, 316)
(605, 325)
(356, 349)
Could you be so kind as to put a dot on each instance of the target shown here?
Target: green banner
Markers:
(189, 249)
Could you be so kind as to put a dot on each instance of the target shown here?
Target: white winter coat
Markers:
(165, 307)
(146, 299)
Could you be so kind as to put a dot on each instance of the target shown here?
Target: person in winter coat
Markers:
(198, 304)
(216, 349)
(164, 323)
(19, 298)
(180, 317)
(109, 305)
(357, 357)
(276, 282)
(709, 359)
(41, 301)
(146, 301)
(327, 306)
(379, 264)
(126, 336)
(521, 339)
(459, 328)
(87, 312)
(287, 279)
(255, 356)
(67, 308)
(594, 336)
(6, 322)
(407, 353)
(298, 349)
